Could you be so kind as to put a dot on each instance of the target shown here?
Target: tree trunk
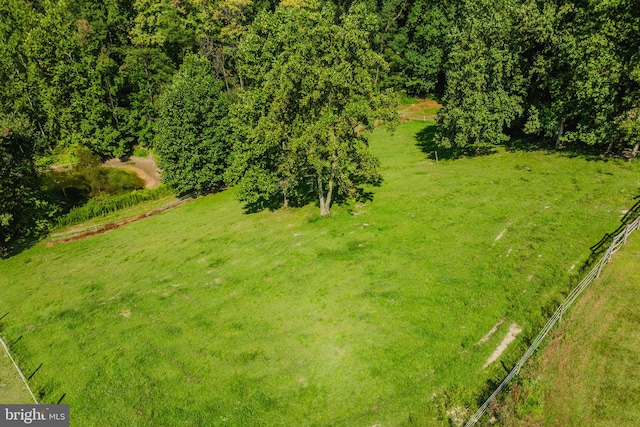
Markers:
(560, 132)
(636, 147)
(609, 148)
(325, 202)
(328, 199)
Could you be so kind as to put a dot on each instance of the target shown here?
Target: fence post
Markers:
(605, 259)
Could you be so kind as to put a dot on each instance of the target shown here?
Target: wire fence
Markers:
(617, 242)
(98, 228)
(24, 379)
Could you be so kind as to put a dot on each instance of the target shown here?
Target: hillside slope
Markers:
(588, 373)
(205, 315)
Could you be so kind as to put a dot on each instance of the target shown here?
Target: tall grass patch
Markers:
(99, 207)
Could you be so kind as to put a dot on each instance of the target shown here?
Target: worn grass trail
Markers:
(205, 315)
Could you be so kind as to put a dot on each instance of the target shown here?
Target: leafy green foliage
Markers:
(311, 100)
(484, 83)
(90, 73)
(86, 159)
(23, 211)
(19, 106)
(571, 97)
(193, 131)
(425, 28)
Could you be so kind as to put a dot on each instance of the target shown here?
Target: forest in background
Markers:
(218, 87)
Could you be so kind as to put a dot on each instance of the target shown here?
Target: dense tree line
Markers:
(277, 97)
(566, 71)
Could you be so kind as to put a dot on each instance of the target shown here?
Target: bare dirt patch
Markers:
(145, 167)
(421, 110)
(514, 330)
(493, 330)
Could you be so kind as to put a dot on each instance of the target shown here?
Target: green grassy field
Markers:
(587, 374)
(12, 389)
(204, 315)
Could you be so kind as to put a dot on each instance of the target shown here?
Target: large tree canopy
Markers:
(484, 83)
(560, 70)
(193, 131)
(311, 99)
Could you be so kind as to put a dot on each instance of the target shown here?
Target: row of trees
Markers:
(91, 72)
(277, 97)
(297, 127)
(567, 71)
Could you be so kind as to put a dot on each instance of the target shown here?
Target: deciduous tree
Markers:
(193, 132)
(311, 101)
(484, 82)
(23, 212)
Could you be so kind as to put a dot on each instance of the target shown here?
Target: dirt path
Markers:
(145, 167)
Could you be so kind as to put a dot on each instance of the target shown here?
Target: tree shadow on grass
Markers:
(17, 247)
(534, 143)
(306, 195)
(427, 144)
(272, 203)
(600, 248)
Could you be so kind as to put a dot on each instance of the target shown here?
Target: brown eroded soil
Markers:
(421, 110)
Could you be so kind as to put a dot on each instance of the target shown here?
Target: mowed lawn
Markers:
(205, 315)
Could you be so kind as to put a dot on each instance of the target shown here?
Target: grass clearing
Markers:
(203, 315)
(420, 109)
